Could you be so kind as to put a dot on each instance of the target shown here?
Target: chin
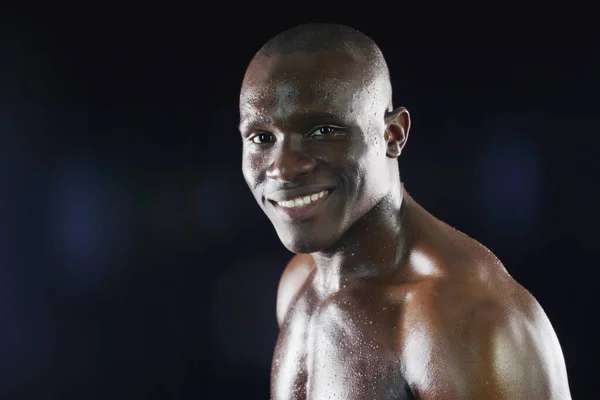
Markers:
(301, 248)
(299, 243)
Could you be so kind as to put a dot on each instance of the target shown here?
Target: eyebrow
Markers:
(323, 114)
(305, 115)
(250, 123)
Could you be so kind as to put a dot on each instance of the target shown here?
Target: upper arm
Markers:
(494, 351)
(291, 282)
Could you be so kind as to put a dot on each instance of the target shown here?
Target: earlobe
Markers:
(396, 134)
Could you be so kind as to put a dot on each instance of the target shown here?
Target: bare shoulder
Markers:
(485, 336)
(295, 275)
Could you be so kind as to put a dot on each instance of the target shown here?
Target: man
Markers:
(382, 300)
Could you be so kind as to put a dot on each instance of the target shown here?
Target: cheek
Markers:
(253, 168)
(369, 168)
(248, 177)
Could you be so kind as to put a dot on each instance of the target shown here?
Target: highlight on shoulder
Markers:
(297, 271)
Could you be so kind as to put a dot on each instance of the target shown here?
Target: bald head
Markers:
(340, 53)
(323, 37)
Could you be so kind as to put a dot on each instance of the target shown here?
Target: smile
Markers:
(303, 207)
(303, 200)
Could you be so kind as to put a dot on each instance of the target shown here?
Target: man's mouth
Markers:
(303, 200)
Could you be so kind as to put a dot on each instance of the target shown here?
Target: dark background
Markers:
(134, 262)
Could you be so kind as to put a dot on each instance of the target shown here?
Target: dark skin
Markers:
(382, 300)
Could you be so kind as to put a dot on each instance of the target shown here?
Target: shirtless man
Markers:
(382, 300)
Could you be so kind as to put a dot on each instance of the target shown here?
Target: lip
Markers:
(302, 213)
(283, 195)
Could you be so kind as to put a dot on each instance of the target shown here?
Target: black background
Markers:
(135, 262)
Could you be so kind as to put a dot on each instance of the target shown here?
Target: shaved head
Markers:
(359, 51)
(323, 37)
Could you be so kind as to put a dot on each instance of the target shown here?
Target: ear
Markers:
(396, 132)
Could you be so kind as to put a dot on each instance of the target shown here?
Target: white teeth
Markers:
(303, 200)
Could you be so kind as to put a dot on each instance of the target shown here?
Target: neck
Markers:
(373, 246)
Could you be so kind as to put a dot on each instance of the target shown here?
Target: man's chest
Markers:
(338, 350)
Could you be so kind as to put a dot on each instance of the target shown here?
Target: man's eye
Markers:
(322, 131)
(262, 138)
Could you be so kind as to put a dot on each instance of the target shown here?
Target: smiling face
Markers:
(315, 143)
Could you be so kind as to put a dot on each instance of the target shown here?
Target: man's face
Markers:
(314, 153)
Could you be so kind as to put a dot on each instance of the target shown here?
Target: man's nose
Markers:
(290, 162)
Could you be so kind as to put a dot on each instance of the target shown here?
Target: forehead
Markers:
(329, 82)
